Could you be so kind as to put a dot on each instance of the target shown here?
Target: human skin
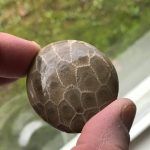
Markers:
(107, 130)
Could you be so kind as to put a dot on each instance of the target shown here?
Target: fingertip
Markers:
(121, 109)
(16, 55)
(36, 45)
(126, 101)
(128, 112)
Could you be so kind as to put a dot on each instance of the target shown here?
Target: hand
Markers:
(16, 55)
(109, 129)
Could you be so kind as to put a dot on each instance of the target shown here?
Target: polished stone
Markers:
(69, 82)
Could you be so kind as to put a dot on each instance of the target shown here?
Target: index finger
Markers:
(16, 55)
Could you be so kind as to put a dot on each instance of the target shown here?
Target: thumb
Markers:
(109, 129)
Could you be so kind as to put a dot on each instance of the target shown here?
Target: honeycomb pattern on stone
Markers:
(69, 82)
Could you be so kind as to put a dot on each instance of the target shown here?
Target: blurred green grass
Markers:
(112, 26)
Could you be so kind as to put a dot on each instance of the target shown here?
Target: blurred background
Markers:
(118, 28)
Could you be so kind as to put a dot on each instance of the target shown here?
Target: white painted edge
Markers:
(71, 143)
(138, 92)
(139, 127)
(28, 131)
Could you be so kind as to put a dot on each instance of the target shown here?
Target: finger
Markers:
(109, 129)
(6, 80)
(16, 55)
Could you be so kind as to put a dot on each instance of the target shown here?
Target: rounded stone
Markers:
(69, 82)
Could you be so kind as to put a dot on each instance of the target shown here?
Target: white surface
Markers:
(28, 131)
(142, 142)
(139, 91)
(70, 144)
(140, 126)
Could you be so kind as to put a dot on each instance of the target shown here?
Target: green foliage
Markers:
(109, 25)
